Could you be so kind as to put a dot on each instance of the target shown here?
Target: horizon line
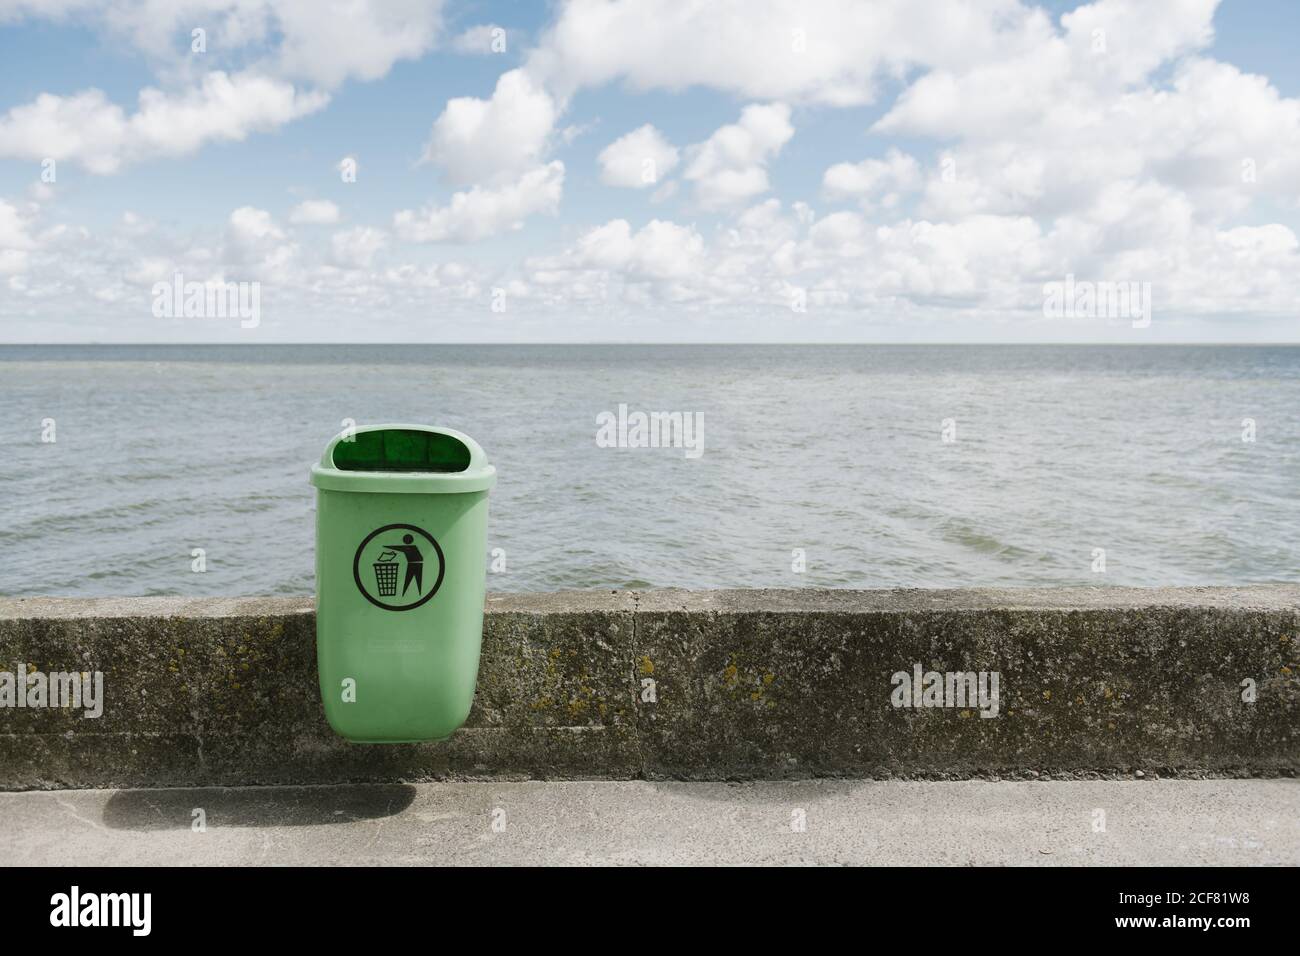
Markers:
(628, 343)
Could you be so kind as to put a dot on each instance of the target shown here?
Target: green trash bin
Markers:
(401, 552)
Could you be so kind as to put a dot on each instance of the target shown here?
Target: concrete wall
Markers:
(746, 684)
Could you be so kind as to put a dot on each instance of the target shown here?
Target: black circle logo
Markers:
(393, 567)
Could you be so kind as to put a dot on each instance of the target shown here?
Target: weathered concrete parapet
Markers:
(696, 685)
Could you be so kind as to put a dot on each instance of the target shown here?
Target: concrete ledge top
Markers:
(55, 608)
(818, 600)
(807, 600)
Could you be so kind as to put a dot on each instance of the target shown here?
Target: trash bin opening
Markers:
(401, 449)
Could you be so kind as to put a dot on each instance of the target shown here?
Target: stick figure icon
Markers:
(414, 563)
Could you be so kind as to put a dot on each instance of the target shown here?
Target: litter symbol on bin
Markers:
(396, 555)
(386, 574)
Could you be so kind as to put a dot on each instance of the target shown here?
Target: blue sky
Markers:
(806, 199)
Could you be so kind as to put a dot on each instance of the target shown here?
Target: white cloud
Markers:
(256, 50)
(15, 241)
(250, 224)
(1108, 144)
(1131, 39)
(872, 181)
(256, 246)
(659, 250)
(485, 211)
(323, 42)
(981, 265)
(314, 212)
(493, 140)
(356, 248)
(304, 291)
(479, 40)
(660, 263)
(1265, 241)
(88, 129)
(1068, 82)
(637, 160)
(330, 41)
(1220, 136)
(730, 166)
(826, 51)
(845, 264)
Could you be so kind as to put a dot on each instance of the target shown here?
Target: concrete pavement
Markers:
(1137, 822)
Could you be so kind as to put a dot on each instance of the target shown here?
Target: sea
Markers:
(183, 470)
